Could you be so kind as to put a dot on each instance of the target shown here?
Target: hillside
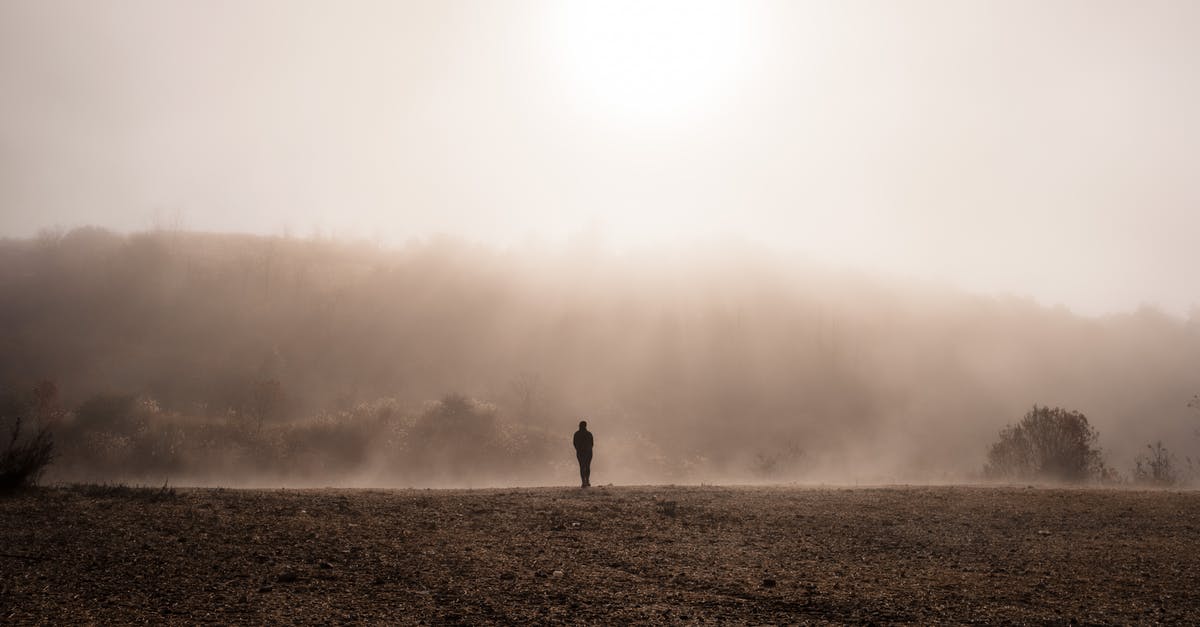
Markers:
(691, 366)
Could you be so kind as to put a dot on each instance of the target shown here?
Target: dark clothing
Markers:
(583, 452)
(585, 466)
(583, 442)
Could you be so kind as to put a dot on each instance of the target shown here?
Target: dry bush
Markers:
(1156, 467)
(29, 447)
(1048, 444)
(25, 458)
(121, 431)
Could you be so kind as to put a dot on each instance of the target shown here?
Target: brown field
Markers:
(609, 555)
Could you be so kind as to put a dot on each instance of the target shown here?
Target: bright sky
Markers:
(1047, 148)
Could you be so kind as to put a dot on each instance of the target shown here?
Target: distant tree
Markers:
(1048, 444)
(781, 461)
(527, 387)
(264, 401)
(1155, 467)
(46, 406)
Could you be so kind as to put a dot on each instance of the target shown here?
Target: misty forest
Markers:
(238, 360)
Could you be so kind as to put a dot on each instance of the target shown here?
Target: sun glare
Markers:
(659, 63)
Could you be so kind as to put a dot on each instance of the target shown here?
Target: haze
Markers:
(1034, 148)
(233, 359)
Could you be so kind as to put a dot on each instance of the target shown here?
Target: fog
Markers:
(246, 360)
(1034, 148)
(413, 243)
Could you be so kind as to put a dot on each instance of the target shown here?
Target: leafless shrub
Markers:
(29, 448)
(25, 459)
(1156, 467)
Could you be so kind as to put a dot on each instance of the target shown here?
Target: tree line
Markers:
(721, 364)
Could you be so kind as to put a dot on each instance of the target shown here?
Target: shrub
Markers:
(113, 413)
(24, 459)
(29, 446)
(335, 442)
(1156, 467)
(457, 435)
(1048, 444)
(460, 423)
(783, 461)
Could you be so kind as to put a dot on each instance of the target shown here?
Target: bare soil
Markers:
(608, 555)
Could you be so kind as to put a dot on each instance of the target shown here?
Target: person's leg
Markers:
(587, 470)
(582, 470)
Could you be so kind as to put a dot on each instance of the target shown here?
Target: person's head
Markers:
(583, 425)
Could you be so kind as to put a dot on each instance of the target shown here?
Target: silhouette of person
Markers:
(583, 452)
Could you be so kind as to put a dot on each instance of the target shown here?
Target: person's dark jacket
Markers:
(583, 442)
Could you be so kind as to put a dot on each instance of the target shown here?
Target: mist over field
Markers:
(877, 312)
(248, 360)
(746, 241)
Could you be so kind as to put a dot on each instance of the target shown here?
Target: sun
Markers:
(661, 63)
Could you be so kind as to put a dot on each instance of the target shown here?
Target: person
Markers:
(583, 452)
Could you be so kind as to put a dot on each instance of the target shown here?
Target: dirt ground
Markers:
(608, 555)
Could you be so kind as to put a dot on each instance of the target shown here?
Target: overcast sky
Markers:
(1043, 148)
